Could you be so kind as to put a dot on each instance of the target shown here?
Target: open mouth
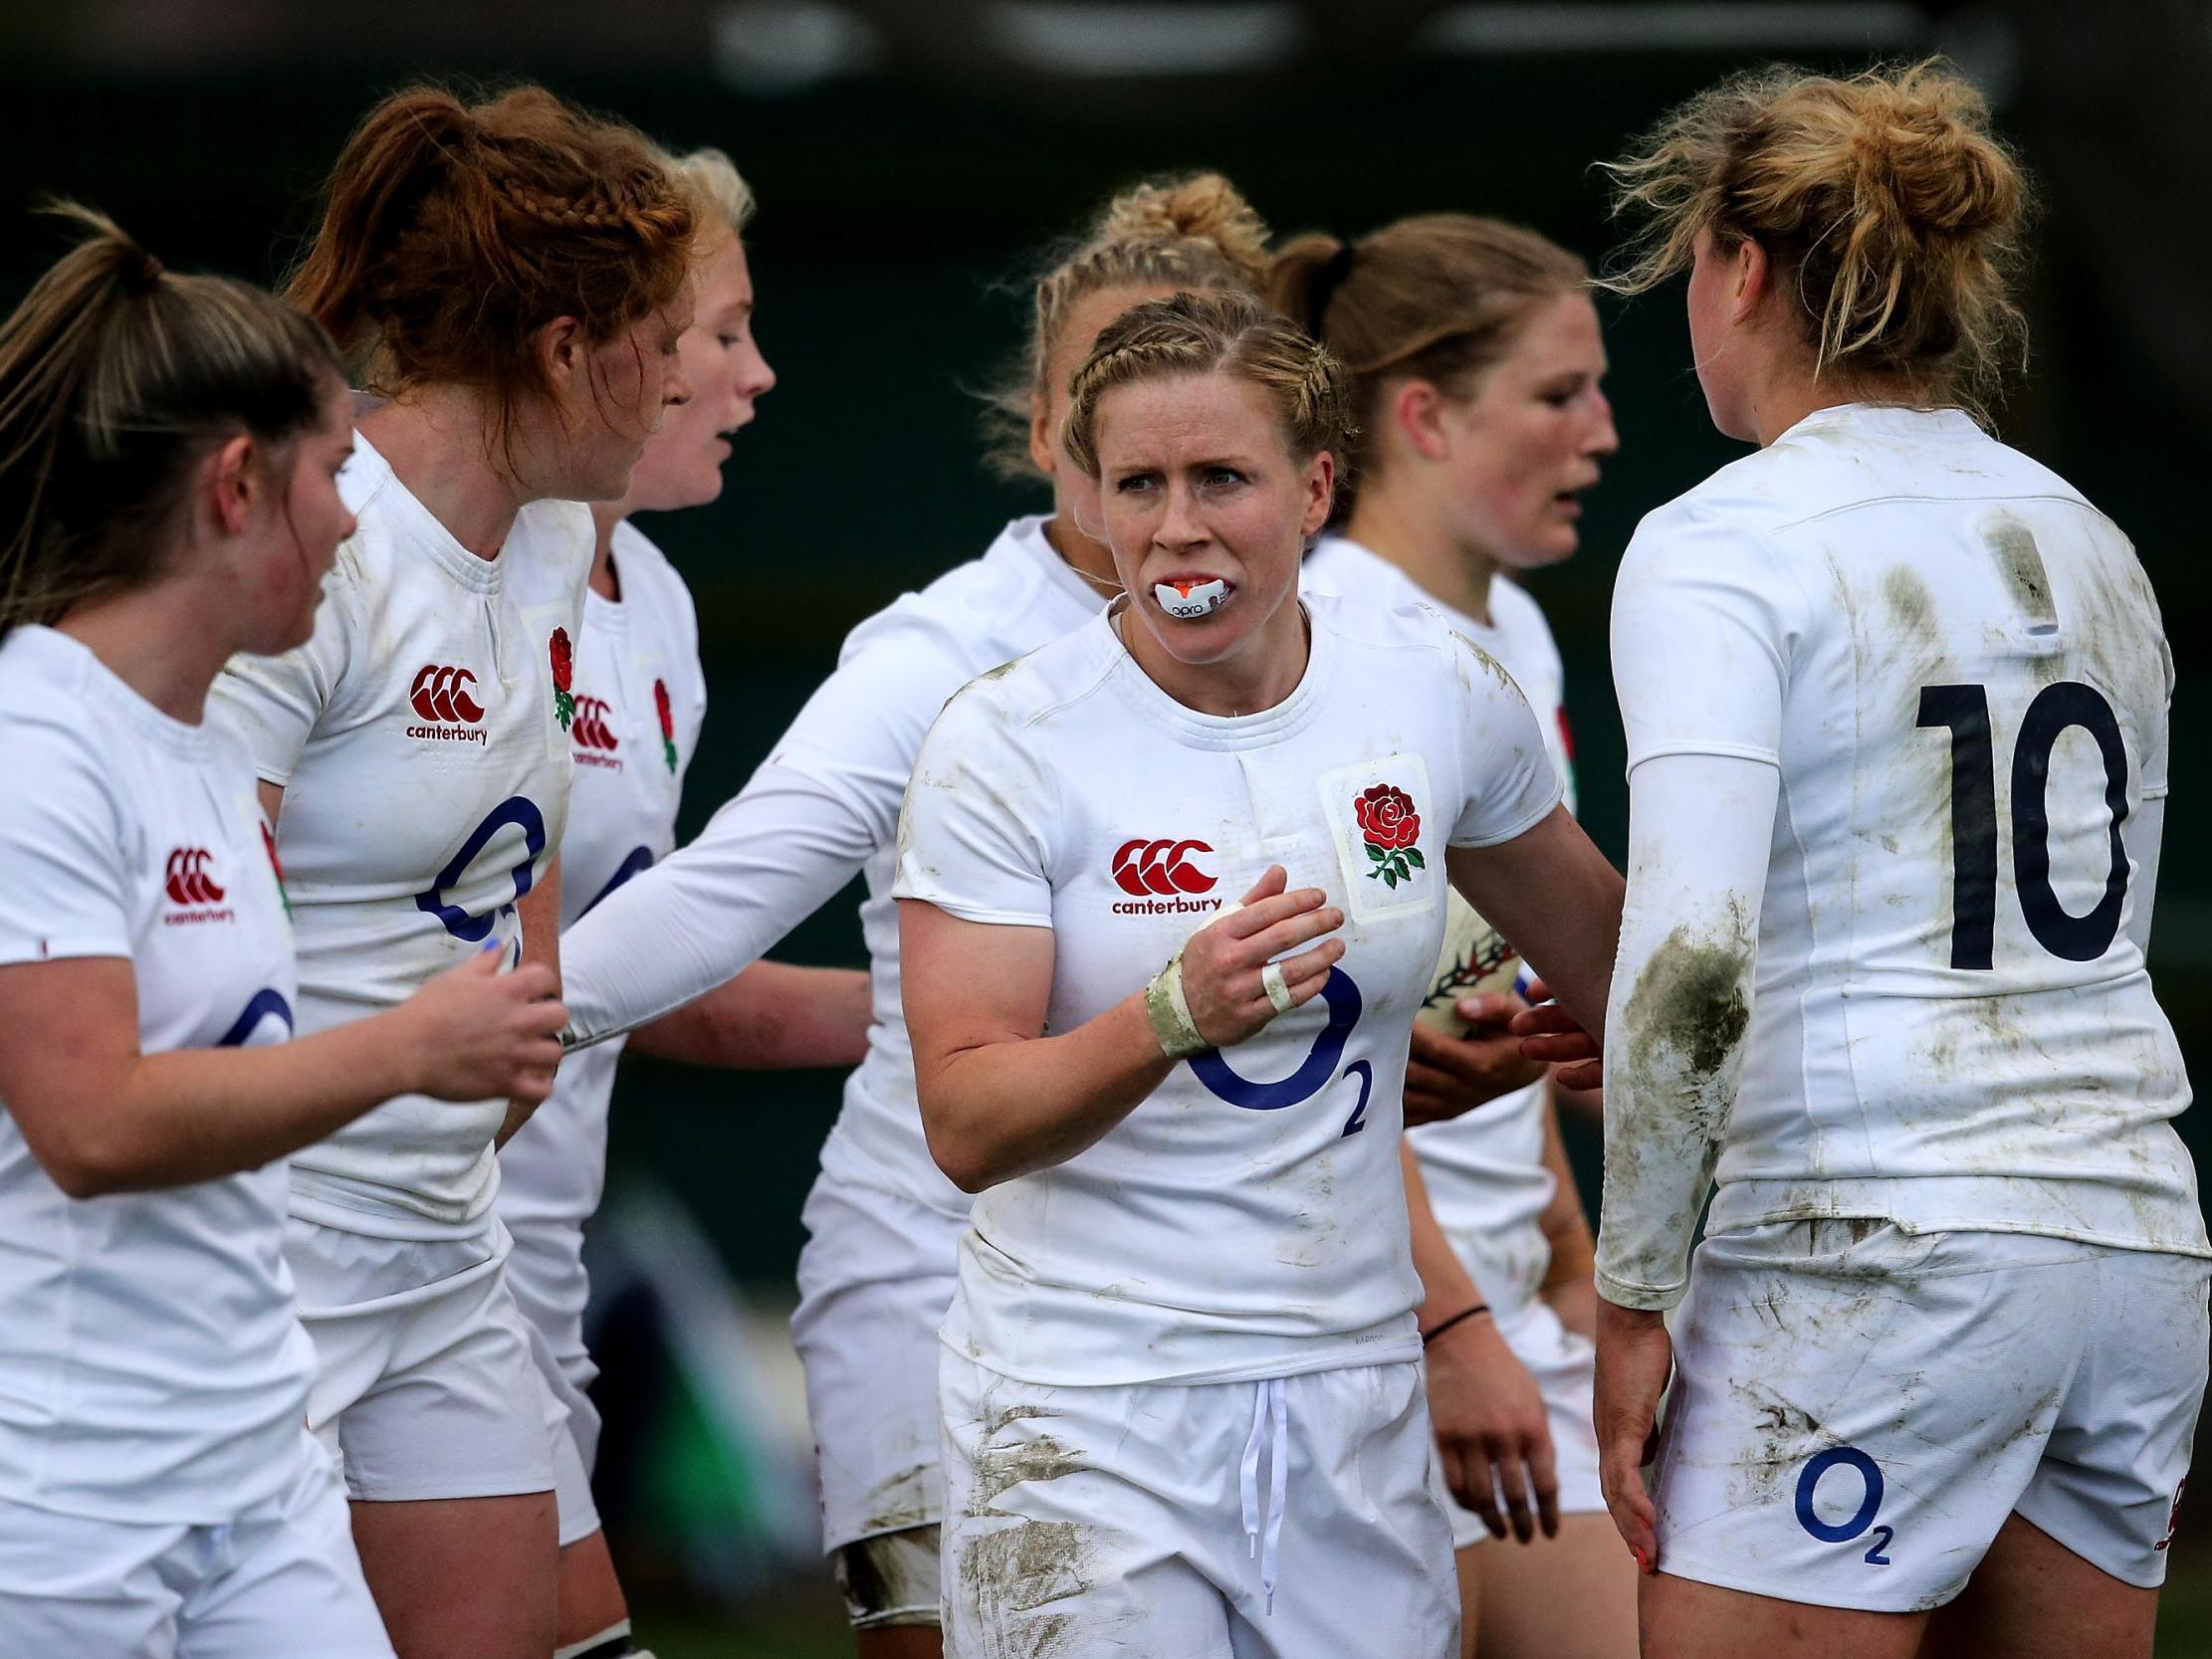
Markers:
(1188, 598)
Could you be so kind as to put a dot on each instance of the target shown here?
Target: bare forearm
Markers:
(1447, 1288)
(1012, 1108)
(196, 1115)
(538, 911)
(771, 1017)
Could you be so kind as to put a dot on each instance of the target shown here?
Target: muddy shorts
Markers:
(1295, 1518)
(1856, 1409)
(875, 1280)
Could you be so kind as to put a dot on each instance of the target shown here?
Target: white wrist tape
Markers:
(1170, 1013)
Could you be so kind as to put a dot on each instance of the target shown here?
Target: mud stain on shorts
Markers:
(1009, 1575)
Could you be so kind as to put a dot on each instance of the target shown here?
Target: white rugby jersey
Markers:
(1957, 668)
(1486, 1172)
(823, 807)
(640, 700)
(152, 1367)
(1247, 1220)
(422, 736)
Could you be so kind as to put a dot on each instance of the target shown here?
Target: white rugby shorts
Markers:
(875, 1280)
(1856, 1409)
(426, 1386)
(1565, 1367)
(1296, 1518)
(276, 1581)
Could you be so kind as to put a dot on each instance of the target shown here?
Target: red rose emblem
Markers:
(668, 723)
(1389, 826)
(564, 673)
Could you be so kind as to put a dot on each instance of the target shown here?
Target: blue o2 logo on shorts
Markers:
(1869, 1474)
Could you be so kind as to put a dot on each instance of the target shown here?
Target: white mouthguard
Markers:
(1193, 600)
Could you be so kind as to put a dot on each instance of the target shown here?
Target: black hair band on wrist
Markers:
(1434, 1330)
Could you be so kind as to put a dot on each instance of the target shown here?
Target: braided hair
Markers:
(453, 233)
(1207, 333)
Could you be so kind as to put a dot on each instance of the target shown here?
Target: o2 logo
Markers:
(264, 1004)
(1869, 1503)
(1315, 1073)
(516, 810)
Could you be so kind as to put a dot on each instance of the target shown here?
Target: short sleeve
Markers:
(1512, 785)
(63, 847)
(1705, 624)
(975, 836)
(275, 703)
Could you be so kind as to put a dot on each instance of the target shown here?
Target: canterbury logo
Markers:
(188, 882)
(1161, 867)
(441, 694)
(590, 729)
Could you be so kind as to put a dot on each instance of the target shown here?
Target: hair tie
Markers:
(140, 274)
(1328, 276)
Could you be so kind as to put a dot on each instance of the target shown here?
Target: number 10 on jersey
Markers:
(1964, 710)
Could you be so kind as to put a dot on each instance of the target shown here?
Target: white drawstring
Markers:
(1270, 1410)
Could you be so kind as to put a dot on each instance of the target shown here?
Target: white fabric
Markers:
(278, 1579)
(1488, 1181)
(1793, 613)
(641, 698)
(1857, 1410)
(874, 1281)
(425, 1385)
(153, 1368)
(420, 717)
(1237, 1224)
(573, 1423)
(822, 809)
(1101, 1521)
(1564, 1367)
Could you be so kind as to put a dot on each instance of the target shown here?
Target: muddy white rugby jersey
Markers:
(1486, 1172)
(422, 736)
(1958, 671)
(151, 1364)
(1248, 1219)
(640, 700)
(823, 807)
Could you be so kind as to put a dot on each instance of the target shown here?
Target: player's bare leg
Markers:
(1685, 1619)
(1471, 1597)
(2034, 1598)
(590, 1596)
(1567, 1597)
(462, 1577)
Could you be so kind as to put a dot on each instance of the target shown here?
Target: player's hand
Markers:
(1635, 1356)
(1222, 963)
(1491, 1430)
(1549, 1033)
(1447, 1076)
(481, 1034)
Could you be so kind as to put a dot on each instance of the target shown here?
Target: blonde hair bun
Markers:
(1202, 207)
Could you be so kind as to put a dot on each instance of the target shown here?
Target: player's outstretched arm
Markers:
(1553, 894)
(999, 1100)
(771, 1017)
(103, 1117)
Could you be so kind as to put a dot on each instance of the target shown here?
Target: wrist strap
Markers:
(1434, 1330)
(1170, 1013)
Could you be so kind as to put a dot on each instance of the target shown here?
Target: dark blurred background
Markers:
(911, 157)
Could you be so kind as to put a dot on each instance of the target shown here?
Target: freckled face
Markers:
(1529, 442)
(1198, 484)
(629, 383)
